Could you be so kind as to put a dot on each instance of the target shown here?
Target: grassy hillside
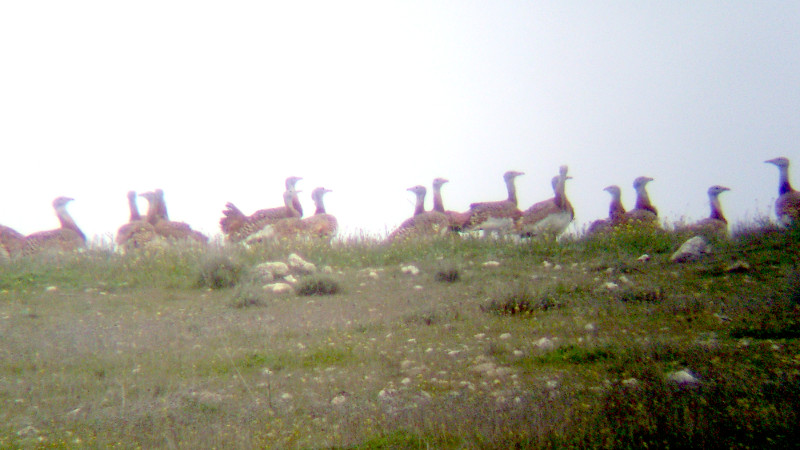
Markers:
(492, 344)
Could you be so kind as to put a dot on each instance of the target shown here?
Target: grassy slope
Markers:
(101, 349)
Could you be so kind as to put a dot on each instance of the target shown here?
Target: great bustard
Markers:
(643, 213)
(137, 232)
(11, 241)
(458, 220)
(552, 216)
(236, 226)
(787, 206)
(422, 223)
(321, 224)
(498, 215)
(715, 224)
(169, 229)
(616, 211)
(68, 237)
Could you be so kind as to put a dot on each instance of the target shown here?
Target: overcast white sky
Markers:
(221, 101)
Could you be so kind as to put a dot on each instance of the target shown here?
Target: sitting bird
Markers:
(644, 212)
(715, 224)
(169, 229)
(616, 212)
(499, 215)
(137, 232)
(321, 224)
(458, 220)
(68, 237)
(787, 206)
(422, 223)
(236, 226)
(552, 216)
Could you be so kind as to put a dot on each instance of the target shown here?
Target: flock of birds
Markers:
(549, 217)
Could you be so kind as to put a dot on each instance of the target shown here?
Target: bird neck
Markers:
(783, 185)
(134, 209)
(296, 205)
(438, 205)
(288, 201)
(512, 191)
(320, 207)
(616, 208)
(67, 222)
(419, 208)
(152, 211)
(716, 208)
(561, 193)
(161, 208)
(643, 200)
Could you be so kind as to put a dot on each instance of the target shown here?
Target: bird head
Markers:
(779, 161)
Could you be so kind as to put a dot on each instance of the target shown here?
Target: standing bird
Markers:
(11, 241)
(236, 226)
(787, 206)
(552, 216)
(422, 223)
(137, 232)
(68, 237)
(157, 216)
(321, 224)
(644, 212)
(715, 224)
(458, 220)
(497, 215)
(616, 212)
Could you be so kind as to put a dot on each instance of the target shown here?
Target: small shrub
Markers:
(219, 272)
(640, 295)
(317, 286)
(448, 275)
(248, 295)
(520, 300)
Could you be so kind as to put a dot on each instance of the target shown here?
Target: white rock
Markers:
(276, 268)
(544, 344)
(610, 285)
(300, 265)
(624, 279)
(286, 396)
(418, 287)
(691, 250)
(372, 274)
(643, 258)
(278, 288)
(630, 382)
(490, 264)
(327, 270)
(290, 279)
(338, 400)
(51, 288)
(410, 269)
(589, 327)
(505, 336)
(682, 377)
(547, 264)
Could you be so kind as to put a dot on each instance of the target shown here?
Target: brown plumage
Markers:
(644, 212)
(616, 211)
(505, 211)
(422, 224)
(137, 232)
(715, 223)
(68, 237)
(236, 226)
(552, 216)
(321, 224)
(11, 241)
(458, 220)
(787, 206)
(287, 227)
(172, 230)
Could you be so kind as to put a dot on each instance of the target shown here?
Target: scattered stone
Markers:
(611, 285)
(327, 270)
(683, 377)
(278, 288)
(589, 327)
(505, 336)
(738, 266)
(372, 274)
(557, 267)
(277, 269)
(544, 344)
(547, 264)
(632, 382)
(623, 279)
(51, 288)
(300, 265)
(480, 336)
(290, 279)
(491, 264)
(339, 399)
(410, 270)
(418, 287)
(643, 258)
(286, 396)
(691, 250)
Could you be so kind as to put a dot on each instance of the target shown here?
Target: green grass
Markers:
(181, 347)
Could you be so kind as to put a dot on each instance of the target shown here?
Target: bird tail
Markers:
(233, 219)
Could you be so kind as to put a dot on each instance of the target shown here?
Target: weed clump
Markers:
(219, 272)
(248, 295)
(448, 275)
(317, 286)
(521, 301)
